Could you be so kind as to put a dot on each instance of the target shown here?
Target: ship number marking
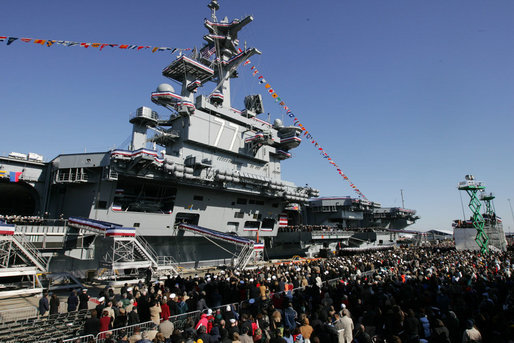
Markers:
(218, 136)
(236, 128)
(222, 126)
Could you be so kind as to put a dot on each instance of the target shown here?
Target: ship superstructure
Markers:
(201, 163)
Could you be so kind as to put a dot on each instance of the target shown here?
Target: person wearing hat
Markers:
(173, 305)
(101, 305)
(228, 314)
(233, 328)
(83, 300)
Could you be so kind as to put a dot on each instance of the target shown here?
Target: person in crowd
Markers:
(83, 300)
(105, 321)
(121, 319)
(155, 312)
(471, 334)
(92, 324)
(54, 304)
(406, 295)
(73, 301)
(44, 306)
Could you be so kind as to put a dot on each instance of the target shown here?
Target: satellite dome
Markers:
(164, 87)
(278, 123)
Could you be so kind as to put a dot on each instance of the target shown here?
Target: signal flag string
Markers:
(49, 42)
(67, 43)
(297, 122)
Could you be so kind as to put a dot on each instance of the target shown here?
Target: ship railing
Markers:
(166, 261)
(32, 251)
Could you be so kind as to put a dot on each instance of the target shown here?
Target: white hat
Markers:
(101, 299)
(84, 289)
(209, 312)
(251, 280)
(172, 296)
(129, 289)
(232, 320)
(222, 272)
(227, 308)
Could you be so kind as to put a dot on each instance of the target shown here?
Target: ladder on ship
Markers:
(249, 248)
(19, 260)
(127, 249)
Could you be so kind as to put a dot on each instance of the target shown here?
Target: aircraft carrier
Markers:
(198, 162)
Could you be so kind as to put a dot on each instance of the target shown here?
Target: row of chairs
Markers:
(61, 325)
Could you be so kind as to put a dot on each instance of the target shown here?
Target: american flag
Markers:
(208, 50)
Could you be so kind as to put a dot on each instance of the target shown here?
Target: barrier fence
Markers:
(127, 330)
(81, 339)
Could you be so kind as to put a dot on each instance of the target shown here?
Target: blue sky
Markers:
(402, 94)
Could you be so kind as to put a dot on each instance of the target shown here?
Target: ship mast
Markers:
(223, 35)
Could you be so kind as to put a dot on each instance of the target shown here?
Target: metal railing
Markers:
(81, 339)
(32, 250)
(151, 251)
(127, 330)
(167, 261)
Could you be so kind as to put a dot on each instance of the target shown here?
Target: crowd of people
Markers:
(429, 294)
(329, 228)
(17, 219)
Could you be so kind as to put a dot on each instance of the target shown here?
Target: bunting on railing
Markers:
(100, 46)
(297, 122)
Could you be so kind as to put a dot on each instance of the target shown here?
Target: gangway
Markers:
(249, 248)
(128, 250)
(20, 263)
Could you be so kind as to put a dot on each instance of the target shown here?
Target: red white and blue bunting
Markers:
(297, 122)
(100, 46)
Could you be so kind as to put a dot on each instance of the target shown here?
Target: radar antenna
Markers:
(214, 6)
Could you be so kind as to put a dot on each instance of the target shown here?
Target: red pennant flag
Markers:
(26, 40)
